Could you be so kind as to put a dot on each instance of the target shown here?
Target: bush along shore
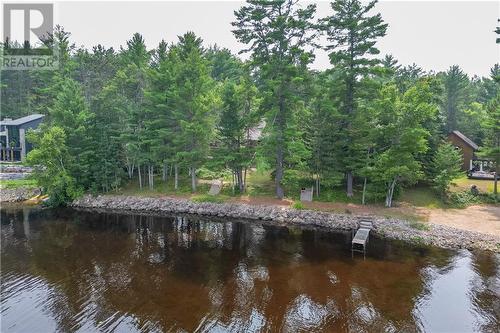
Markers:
(413, 232)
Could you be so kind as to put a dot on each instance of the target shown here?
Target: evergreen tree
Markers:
(130, 82)
(70, 113)
(446, 166)
(322, 132)
(277, 34)
(471, 122)
(223, 64)
(491, 146)
(238, 120)
(455, 84)
(352, 34)
(407, 76)
(193, 104)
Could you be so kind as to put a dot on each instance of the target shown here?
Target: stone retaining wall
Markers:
(17, 194)
(437, 235)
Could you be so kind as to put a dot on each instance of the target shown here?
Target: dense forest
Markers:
(367, 123)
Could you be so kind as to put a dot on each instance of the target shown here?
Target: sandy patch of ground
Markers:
(480, 218)
(266, 201)
(401, 211)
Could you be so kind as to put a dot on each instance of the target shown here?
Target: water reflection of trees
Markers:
(485, 290)
(179, 273)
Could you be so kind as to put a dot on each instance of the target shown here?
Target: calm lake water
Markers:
(85, 272)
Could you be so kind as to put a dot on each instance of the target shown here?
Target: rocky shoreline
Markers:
(18, 194)
(436, 235)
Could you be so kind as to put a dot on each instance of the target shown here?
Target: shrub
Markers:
(298, 205)
(445, 167)
(419, 226)
(207, 198)
(292, 180)
(463, 199)
(62, 190)
(205, 173)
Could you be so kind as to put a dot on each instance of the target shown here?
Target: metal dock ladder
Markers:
(362, 236)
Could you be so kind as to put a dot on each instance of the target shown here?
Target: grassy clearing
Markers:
(209, 198)
(17, 183)
(338, 194)
(260, 186)
(464, 184)
(422, 197)
(259, 183)
(163, 188)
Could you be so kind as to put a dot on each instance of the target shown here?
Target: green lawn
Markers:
(162, 188)
(16, 183)
(464, 183)
(260, 184)
(421, 196)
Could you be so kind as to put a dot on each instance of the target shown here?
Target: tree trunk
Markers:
(164, 172)
(387, 197)
(280, 148)
(390, 193)
(193, 179)
(279, 173)
(317, 182)
(245, 180)
(233, 181)
(151, 176)
(351, 79)
(349, 184)
(364, 192)
(140, 177)
(130, 169)
(176, 177)
(147, 172)
(240, 180)
(495, 186)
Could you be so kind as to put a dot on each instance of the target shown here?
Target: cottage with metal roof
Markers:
(13, 143)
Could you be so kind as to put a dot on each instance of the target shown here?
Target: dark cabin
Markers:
(467, 146)
(13, 143)
(477, 168)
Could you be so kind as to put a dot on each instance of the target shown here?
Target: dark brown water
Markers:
(86, 272)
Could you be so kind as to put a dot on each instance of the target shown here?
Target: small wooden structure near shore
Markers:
(215, 188)
(362, 236)
(306, 194)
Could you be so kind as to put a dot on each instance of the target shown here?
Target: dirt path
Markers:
(484, 219)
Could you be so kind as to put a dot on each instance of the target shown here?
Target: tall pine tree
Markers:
(352, 33)
(277, 33)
